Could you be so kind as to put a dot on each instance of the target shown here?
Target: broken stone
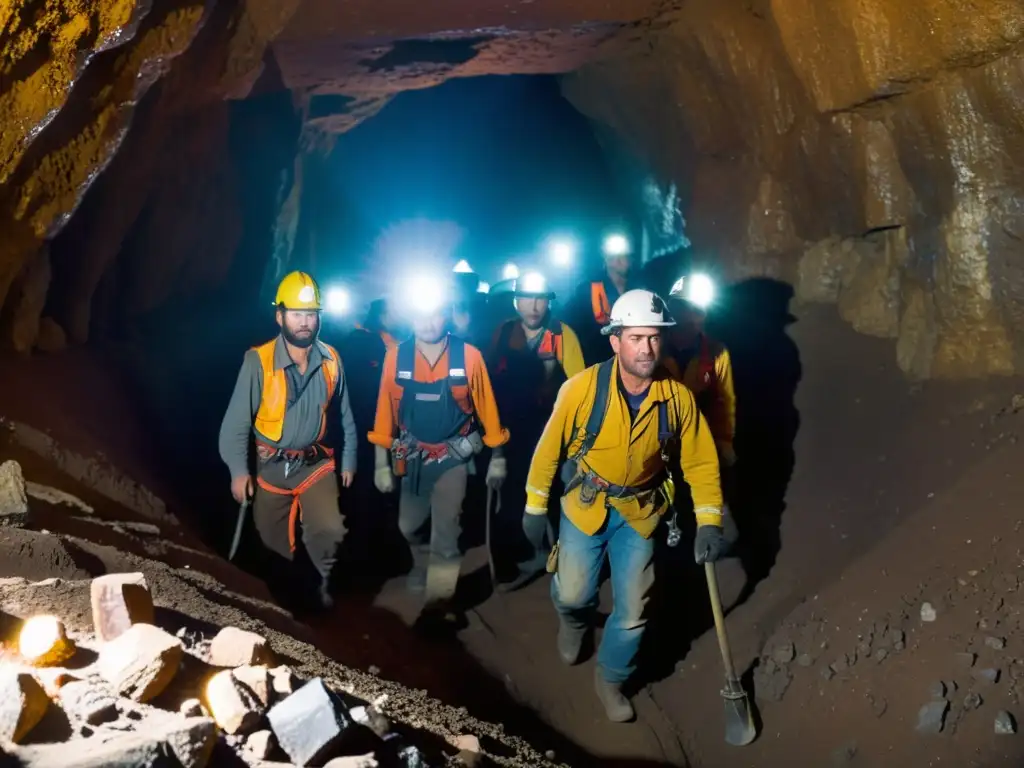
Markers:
(864, 649)
(87, 702)
(928, 612)
(896, 636)
(972, 701)
(784, 652)
(191, 739)
(986, 675)
(827, 672)
(23, 702)
(995, 643)
(899, 646)
(771, 682)
(310, 724)
(234, 647)
(283, 681)
(1005, 724)
(878, 706)
(937, 690)
(192, 708)
(43, 642)
(839, 665)
(257, 680)
(932, 716)
(411, 757)
(260, 744)
(53, 679)
(13, 500)
(119, 600)
(354, 761)
(233, 706)
(165, 740)
(966, 659)
(140, 662)
(371, 718)
(880, 655)
(804, 660)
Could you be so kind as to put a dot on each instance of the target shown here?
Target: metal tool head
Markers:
(740, 729)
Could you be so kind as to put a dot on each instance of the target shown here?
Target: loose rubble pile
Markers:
(136, 695)
(966, 630)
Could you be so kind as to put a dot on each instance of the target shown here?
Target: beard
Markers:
(642, 369)
(298, 341)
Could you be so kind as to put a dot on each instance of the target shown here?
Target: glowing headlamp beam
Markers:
(616, 245)
(510, 272)
(337, 301)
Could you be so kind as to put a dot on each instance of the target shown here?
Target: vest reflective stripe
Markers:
(599, 303)
(406, 363)
(274, 397)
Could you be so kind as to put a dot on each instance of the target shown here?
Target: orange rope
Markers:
(295, 513)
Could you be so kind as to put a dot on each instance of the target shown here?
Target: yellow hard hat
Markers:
(298, 291)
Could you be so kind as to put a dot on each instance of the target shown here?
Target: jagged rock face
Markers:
(869, 154)
(866, 151)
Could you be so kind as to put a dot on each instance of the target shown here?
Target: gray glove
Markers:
(535, 526)
(709, 545)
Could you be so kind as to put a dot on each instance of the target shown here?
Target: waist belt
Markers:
(593, 482)
(461, 447)
(310, 455)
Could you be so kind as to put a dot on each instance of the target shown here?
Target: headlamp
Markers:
(616, 245)
(338, 301)
(697, 289)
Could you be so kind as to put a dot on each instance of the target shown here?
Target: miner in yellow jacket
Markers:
(622, 425)
(283, 402)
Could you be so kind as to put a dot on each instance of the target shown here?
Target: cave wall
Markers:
(870, 153)
(130, 93)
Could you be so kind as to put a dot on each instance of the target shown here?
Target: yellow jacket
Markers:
(719, 405)
(625, 454)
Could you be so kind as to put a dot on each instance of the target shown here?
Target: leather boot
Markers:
(616, 705)
(570, 641)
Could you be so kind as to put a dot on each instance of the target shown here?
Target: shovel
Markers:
(739, 719)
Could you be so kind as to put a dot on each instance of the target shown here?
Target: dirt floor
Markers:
(860, 496)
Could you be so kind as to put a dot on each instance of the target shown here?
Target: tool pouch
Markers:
(552, 564)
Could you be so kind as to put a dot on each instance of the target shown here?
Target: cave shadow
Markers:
(767, 371)
(405, 53)
(359, 634)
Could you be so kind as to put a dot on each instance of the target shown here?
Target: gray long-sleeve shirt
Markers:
(306, 395)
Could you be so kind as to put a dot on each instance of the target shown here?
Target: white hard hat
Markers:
(638, 309)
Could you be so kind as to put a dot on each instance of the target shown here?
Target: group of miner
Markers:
(590, 471)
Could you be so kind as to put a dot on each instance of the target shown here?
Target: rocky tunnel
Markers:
(849, 170)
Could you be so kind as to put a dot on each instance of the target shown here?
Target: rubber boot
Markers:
(616, 705)
(416, 579)
(442, 579)
(570, 642)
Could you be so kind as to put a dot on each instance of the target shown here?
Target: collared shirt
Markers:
(627, 452)
(307, 393)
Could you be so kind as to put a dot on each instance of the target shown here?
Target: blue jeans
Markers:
(574, 589)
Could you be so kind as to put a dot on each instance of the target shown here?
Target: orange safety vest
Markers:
(273, 403)
(599, 303)
(549, 348)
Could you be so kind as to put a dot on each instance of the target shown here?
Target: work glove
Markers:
(497, 471)
(726, 454)
(535, 526)
(384, 479)
(709, 545)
